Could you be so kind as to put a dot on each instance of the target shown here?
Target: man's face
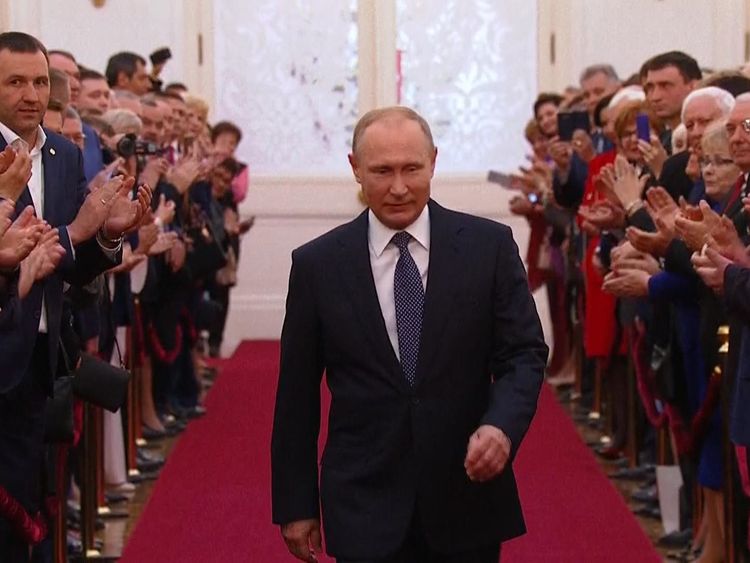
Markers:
(139, 83)
(698, 115)
(739, 138)
(94, 96)
(73, 131)
(53, 120)
(24, 91)
(63, 63)
(546, 117)
(665, 90)
(178, 117)
(167, 118)
(394, 165)
(595, 88)
(153, 124)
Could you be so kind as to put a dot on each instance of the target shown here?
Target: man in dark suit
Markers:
(422, 319)
(89, 228)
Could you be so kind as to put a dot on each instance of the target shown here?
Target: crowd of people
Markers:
(119, 240)
(637, 198)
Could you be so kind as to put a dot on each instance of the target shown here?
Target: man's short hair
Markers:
(91, 74)
(225, 127)
(172, 86)
(394, 111)
(605, 69)
(732, 81)
(66, 54)
(70, 113)
(55, 105)
(121, 120)
(125, 62)
(125, 95)
(166, 95)
(18, 42)
(547, 98)
(59, 85)
(684, 63)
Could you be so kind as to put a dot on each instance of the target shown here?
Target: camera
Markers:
(129, 145)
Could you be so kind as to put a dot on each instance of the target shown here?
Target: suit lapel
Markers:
(356, 272)
(51, 173)
(442, 284)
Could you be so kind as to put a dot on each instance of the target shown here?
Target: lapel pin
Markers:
(52, 152)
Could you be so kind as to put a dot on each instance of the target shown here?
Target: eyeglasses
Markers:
(745, 124)
(716, 161)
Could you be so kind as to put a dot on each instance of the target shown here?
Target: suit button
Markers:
(415, 401)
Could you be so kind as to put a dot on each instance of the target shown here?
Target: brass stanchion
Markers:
(88, 462)
(730, 486)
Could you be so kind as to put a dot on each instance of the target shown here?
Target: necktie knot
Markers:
(401, 240)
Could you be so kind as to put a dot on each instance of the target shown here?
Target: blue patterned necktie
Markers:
(408, 294)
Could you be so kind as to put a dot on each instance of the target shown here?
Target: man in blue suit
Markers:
(422, 320)
(90, 229)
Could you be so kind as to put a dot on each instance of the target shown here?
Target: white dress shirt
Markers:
(383, 257)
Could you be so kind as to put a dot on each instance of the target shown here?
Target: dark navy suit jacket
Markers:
(392, 446)
(737, 296)
(64, 192)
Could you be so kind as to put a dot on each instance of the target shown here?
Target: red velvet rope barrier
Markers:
(31, 530)
(687, 440)
(165, 356)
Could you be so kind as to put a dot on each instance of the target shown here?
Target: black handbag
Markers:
(207, 255)
(101, 383)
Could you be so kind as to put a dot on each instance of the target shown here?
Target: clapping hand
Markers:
(20, 237)
(710, 266)
(164, 242)
(184, 173)
(694, 231)
(603, 214)
(96, 208)
(126, 213)
(41, 262)
(165, 211)
(15, 172)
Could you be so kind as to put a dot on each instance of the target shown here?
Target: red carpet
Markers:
(212, 501)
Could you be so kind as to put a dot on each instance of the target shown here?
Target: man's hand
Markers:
(710, 266)
(627, 283)
(487, 453)
(654, 154)
(126, 213)
(520, 205)
(41, 262)
(105, 174)
(15, 172)
(20, 238)
(96, 208)
(303, 539)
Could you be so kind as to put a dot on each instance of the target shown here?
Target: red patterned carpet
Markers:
(212, 501)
